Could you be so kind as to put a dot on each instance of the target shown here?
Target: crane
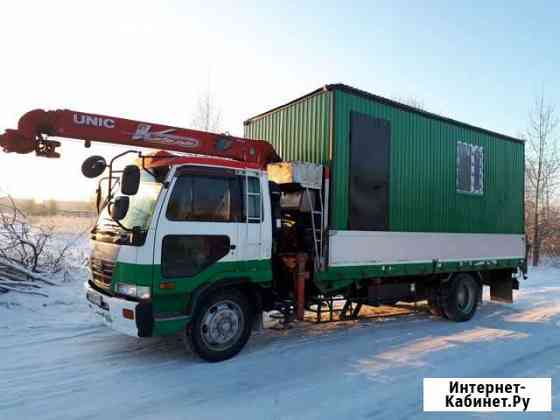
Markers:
(35, 127)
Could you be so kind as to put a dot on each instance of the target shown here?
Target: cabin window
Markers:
(470, 168)
(253, 196)
(478, 169)
(205, 199)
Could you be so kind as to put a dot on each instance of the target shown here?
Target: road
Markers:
(56, 361)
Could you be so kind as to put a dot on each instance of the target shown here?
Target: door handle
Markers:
(232, 246)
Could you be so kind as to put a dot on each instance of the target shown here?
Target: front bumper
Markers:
(112, 311)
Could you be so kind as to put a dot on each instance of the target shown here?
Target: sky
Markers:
(481, 62)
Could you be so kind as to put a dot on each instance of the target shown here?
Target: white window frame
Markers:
(474, 150)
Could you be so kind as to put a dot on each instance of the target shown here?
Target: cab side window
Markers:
(205, 198)
(254, 204)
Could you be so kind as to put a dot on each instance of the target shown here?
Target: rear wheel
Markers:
(460, 297)
(221, 326)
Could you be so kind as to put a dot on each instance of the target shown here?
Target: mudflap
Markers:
(502, 285)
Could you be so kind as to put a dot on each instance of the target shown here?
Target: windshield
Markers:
(140, 210)
(142, 204)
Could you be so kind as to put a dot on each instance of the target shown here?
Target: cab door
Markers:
(256, 234)
(198, 228)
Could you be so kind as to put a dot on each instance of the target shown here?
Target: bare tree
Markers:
(207, 115)
(542, 169)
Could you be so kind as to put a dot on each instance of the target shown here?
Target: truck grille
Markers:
(101, 272)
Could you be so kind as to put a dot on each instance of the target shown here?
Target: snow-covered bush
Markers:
(33, 255)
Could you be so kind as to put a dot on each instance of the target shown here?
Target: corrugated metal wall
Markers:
(299, 131)
(422, 194)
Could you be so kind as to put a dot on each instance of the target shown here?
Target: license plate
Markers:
(95, 298)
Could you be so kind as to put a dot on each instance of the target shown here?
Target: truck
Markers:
(335, 200)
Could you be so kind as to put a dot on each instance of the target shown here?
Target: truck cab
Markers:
(196, 238)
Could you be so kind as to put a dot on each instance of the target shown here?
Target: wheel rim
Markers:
(465, 297)
(222, 325)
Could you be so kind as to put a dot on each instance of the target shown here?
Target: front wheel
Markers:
(460, 297)
(221, 326)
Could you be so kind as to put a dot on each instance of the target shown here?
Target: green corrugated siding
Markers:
(299, 131)
(422, 194)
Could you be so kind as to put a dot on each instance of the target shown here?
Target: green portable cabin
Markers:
(410, 191)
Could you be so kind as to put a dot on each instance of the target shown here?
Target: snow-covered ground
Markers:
(59, 362)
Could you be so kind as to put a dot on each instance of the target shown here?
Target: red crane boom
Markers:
(35, 126)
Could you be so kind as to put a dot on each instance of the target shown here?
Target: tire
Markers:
(221, 326)
(460, 297)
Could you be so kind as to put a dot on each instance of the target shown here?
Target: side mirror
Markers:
(119, 207)
(130, 180)
(93, 166)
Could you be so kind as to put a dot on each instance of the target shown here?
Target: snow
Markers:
(58, 361)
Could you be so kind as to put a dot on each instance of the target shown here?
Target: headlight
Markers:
(141, 292)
